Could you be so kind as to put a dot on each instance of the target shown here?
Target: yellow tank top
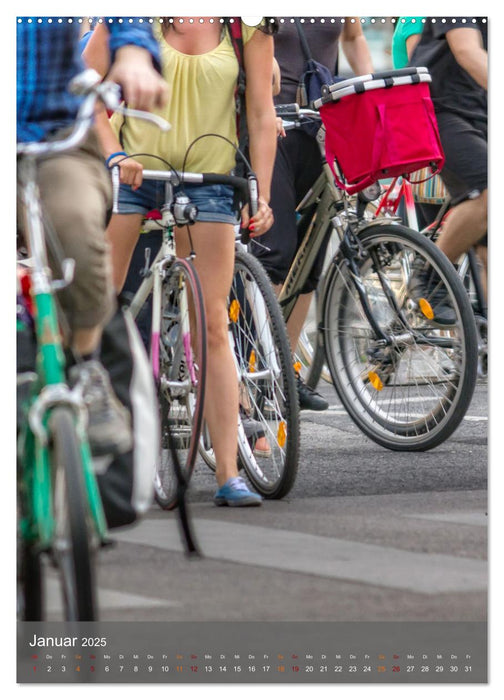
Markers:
(202, 101)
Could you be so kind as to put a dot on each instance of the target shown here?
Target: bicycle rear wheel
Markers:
(412, 392)
(268, 392)
(73, 544)
(181, 385)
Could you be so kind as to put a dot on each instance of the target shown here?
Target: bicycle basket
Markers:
(380, 126)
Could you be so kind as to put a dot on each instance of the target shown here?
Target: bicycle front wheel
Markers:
(181, 384)
(73, 545)
(268, 391)
(409, 386)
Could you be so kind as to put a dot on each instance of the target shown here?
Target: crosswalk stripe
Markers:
(478, 519)
(319, 556)
(339, 411)
(108, 599)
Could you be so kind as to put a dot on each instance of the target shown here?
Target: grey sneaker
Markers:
(109, 422)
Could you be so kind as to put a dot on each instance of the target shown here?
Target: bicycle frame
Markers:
(48, 391)
(324, 195)
(153, 280)
(331, 212)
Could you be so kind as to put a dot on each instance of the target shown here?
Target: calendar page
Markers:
(300, 493)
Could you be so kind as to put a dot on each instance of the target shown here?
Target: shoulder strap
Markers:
(302, 39)
(235, 33)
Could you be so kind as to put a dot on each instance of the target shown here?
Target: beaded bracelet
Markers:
(113, 155)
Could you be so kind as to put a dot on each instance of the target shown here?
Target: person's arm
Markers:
(467, 48)
(355, 47)
(131, 60)
(97, 55)
(277, 78)
(261, 122)
(411, 43)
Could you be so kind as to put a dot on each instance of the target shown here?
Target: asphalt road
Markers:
(365, 535)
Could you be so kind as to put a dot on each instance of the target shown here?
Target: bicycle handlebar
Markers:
(89, 84)
(247, 187)
(293, 116)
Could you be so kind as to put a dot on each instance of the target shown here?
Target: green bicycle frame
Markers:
(37, 521)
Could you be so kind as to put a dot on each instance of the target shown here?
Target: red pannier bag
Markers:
(380, 126)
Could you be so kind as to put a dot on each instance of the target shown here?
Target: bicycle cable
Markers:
(218, 136)
(198, 138)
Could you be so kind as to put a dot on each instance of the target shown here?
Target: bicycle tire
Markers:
(181, 385)
(310, 349)
(72, 549)
(268, 390)
(380, 388)
(30, 584)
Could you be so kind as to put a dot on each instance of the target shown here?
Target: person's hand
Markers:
(143, 87)
(262, 220)
(131, 171)
(280, 128)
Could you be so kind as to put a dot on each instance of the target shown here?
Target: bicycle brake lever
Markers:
(84, 82)
(146, 116)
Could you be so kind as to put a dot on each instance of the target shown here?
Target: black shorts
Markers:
(298, 163)
(466, 151)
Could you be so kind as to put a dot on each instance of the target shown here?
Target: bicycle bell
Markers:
(184, 212)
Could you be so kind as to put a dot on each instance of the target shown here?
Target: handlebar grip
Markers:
(116, 181)
(253, 202)
(248, 189)
(287, 110)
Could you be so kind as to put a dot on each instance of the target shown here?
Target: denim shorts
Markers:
(214, 202)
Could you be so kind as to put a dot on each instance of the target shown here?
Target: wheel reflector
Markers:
(375, 381)
(234, 311)
(282, 434)
(426, 308)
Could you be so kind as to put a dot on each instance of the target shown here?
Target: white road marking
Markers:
(478, 519)
(319, 556)
(338, 410)
(107, 599)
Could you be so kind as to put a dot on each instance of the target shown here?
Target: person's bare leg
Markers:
(308, 398)
(214, 245)
(123, 232)
(465, 226)
(86, 340)
(298, 316)
(482, 253)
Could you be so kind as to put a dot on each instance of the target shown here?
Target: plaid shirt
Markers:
(48, 57)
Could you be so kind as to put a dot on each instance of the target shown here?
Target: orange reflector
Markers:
(297, 367)
(282, 434)
(252, 361)
(234, 310)
(426, 309)
(375, 381)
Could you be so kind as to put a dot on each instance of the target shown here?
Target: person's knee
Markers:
(216, 327)
(479, 207)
